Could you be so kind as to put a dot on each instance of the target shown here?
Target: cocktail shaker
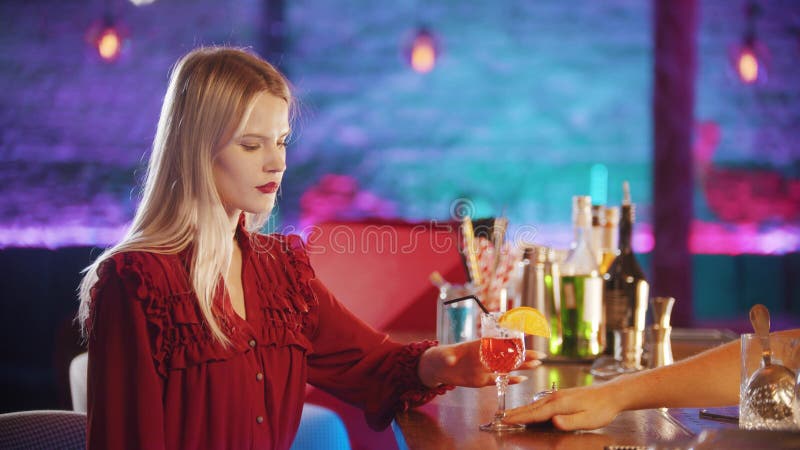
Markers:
(539, 288)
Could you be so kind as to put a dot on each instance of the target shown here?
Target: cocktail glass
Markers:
(502, 350)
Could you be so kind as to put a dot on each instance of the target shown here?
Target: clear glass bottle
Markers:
(608, 365)
(626, 290)
(581, 289)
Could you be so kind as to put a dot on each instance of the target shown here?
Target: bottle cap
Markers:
(626, 193)
(598, 215)
(541, 253)
(628, 209)
(555, 256)
(527, 251)
(582, 211)
(612, 216)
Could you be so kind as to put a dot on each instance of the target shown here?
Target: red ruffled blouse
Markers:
(158, 379)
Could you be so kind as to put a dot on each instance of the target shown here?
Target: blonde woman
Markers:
(202, 333)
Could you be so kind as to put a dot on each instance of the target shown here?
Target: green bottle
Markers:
(581, 308)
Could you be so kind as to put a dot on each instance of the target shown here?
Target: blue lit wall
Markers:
(524, 99)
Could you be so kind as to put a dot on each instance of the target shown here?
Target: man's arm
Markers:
(708, 379)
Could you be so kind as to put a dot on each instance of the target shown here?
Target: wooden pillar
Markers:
(273, 32)
(675, 67)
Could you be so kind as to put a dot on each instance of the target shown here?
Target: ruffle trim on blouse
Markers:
(292, 300)
(405, 378)
(180, 338)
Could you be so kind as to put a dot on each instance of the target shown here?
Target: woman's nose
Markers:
(275, 159)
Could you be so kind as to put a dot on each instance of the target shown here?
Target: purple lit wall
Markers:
(746, 140)
(75, 131)
(525, 99)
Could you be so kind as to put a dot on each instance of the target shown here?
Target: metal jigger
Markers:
(631, 342)
(660, 353)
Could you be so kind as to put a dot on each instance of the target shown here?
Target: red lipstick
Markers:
(269, 188)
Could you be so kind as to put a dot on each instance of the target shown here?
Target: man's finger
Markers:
(543, 409)
(535, 412)
(577, 421)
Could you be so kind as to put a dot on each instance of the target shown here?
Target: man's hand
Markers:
(583, 408)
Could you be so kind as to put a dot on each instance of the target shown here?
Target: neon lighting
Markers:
(598, 184)
(706, 238)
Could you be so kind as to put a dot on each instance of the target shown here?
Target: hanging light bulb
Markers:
(750, 61)
(750, 58)
(109, 44)
(107, 39)
(747, 66)
(422, 51)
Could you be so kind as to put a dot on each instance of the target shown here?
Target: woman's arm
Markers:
(124, 389)
(708, 379)
(364, 367)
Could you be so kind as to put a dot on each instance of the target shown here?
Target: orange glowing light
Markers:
(423, 56)
(748, 67)
(109, 44)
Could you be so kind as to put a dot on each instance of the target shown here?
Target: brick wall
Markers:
(525, 98)
(74, 130)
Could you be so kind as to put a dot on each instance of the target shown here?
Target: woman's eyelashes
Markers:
(253, 147)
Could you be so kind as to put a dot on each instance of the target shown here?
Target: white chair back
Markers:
(78, 369)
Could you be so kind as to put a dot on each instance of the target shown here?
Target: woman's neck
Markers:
(233, 218)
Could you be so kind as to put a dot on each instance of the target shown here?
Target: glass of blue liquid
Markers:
(456, 322)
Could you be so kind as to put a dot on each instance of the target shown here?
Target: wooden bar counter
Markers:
(451, 421)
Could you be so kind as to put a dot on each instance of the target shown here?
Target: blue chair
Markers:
(320, 428)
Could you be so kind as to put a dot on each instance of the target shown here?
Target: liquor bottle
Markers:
(581, 289)
(625, 291)
(610, 249)
(610, 240)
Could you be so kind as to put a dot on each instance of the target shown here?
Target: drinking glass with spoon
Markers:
(767, 393)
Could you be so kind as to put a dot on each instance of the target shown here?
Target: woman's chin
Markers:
(264, 208)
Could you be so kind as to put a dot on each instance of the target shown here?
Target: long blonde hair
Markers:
(209, 92)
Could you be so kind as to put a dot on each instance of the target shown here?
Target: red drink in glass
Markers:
(502, 355)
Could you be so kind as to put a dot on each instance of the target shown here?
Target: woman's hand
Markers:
(583, 408)
(460, 365)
